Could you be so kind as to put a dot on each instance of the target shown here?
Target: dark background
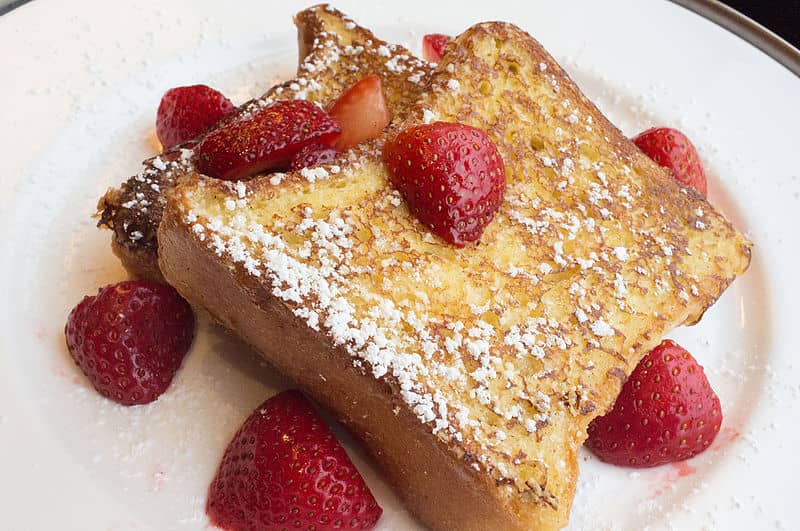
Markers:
(780, 16)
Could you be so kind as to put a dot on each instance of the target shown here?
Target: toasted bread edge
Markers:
(440, 490)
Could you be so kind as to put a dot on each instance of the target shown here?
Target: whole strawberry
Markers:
(433, 45)
(451, 176)
(267, 140)
(130, 339)
(284, 469)
(665, 412)
(670, 148)
(186, 112)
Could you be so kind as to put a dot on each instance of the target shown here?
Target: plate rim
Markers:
(747, 29)
(724, 16)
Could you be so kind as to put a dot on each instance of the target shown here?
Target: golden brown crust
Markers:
(334, 53)
(678, 204)
(132, 212)
(138, 262)
(433, 484)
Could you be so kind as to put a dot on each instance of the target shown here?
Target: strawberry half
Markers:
(186, 112)
(665, 412)
(433, 45)
(267, 140)
(451, 175)
(130, 339)
(672, 149)
(284, 469)
(313, 155)
(361, 111)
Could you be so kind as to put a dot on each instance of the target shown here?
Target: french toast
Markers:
(470, 374)
(334, 53)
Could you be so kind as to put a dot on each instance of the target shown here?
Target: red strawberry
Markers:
(670, 148)
(313, 155)
(665, 412)
(361, 111)
(451, 175)
(186, 112)
(433, 46)
(130, 339)
(267, 140)
(284, 469)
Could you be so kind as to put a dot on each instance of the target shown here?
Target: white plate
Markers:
(79, 94)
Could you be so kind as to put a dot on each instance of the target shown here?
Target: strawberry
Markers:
(670, 148)
(130, 339)
(665, 412)
(266, 140)
(186, 112)
(313, 155)
(284, 469)
(451, 176)
(433, 45)
(361, 111)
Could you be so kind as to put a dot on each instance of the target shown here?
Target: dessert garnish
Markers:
(451, 175)
(361, 112)
(665, 412)
(266, 140)
(186, 112)
(130, 339)
(672, 149)
(312, 155)
(433, 46)
(284, 469)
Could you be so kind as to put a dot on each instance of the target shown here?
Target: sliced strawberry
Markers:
(451, 176)
(672, 149)
(361, 111)
(130, 339)
(433, 45)
(284, 469)
(313, 155)
(186, 112)
(267, 140)
(665, 412)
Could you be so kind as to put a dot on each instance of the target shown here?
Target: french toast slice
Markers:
(470, 374)
(334, 53)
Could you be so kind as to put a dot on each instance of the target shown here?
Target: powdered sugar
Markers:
(429, 116)
(601, 328)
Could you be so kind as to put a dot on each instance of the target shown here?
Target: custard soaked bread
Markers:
(334, 53)
(470, 374)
